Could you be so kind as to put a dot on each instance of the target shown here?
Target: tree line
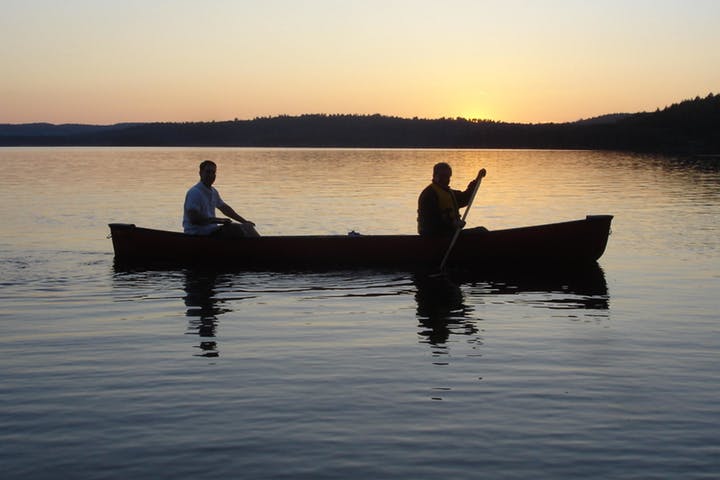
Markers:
(688, 126)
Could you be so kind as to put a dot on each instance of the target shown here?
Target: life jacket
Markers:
(448, 204)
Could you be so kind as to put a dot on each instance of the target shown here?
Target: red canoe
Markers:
(567, 243)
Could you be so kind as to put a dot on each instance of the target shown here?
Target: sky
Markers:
(528, 61)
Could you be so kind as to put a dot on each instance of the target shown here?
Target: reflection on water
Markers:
(446, 306)
(443, 310)
(203, 309)
(577, 288)
(199, 290)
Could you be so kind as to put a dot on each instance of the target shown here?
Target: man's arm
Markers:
(198, 218)
(228, 211)
(463, 197)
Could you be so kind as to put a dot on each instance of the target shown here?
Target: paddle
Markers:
(478, 179)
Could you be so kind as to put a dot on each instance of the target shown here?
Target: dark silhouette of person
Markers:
(438, 204)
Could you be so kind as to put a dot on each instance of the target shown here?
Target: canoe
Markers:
(567, 243)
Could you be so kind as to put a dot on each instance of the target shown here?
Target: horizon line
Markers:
(285, 115)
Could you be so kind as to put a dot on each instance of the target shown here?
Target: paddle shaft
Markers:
(478, 179)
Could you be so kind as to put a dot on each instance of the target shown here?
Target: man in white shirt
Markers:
(199, 212)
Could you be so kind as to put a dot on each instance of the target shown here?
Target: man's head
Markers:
(207, 172)
(441, 174)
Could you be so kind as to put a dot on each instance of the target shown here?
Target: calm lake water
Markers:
(357, 374)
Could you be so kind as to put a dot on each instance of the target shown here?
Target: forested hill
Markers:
(689, 126)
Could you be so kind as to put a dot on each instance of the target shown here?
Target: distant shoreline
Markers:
(687, 127)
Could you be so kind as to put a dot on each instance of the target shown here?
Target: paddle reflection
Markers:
(443, 309)
(203, 309)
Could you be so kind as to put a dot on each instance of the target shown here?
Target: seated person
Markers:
(438, 204)
(201, 201)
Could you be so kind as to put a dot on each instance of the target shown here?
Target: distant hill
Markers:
(51, 130)
(689, 126)
(607, 119)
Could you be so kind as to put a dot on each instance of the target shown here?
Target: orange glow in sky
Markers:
(87, 61)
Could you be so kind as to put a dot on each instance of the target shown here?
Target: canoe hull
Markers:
(574, 242)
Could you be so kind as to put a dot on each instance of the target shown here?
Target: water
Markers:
(357, 374)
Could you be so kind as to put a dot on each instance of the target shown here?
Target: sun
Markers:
(477, 114)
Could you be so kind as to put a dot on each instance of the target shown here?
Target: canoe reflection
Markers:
(203, 309)
(443, 309)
